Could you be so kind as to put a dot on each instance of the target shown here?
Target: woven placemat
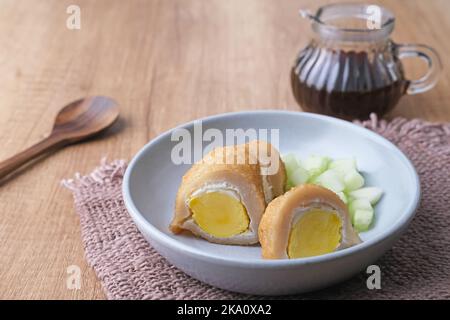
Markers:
(418, 266)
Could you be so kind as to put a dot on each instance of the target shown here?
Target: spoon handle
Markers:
(9, 165)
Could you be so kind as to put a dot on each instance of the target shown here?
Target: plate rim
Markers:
(178, 246)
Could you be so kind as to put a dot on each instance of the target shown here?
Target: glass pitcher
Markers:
(352, 68)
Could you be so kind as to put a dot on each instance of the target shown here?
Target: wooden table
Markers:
(165, 62)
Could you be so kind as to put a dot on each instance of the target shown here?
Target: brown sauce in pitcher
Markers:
(347, 84)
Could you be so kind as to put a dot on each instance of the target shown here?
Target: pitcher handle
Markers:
(433, 61)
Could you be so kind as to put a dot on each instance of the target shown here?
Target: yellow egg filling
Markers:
(219, 214)
(316, 232)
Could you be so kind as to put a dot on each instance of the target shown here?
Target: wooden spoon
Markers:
(77, 121)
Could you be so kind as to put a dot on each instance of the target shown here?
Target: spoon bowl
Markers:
(86, 117)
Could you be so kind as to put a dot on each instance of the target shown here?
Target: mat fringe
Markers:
(104, 173)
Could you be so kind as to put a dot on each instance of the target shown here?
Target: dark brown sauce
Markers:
(346, 84)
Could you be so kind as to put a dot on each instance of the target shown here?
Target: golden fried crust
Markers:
(278, 180)
(275, 225)
(267, 231)
(245, 177)
(265, 151)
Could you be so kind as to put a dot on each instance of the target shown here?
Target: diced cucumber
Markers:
(353, 180)
(330, 180)
(343, 197)
(362, 219)
(290, 163)
(299, 176)
(361, 204)
(343, 165)
(373, 194)
(358, 204)
(342, 177)
(316, 164)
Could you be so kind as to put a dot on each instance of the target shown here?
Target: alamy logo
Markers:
(190, 149)
(73, 281)
(73, 22)
(374, 280)
(374, 17)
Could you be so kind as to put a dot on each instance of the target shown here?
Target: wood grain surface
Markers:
(165, 62)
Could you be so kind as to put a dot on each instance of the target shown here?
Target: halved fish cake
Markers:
(223, 197)
(306, 221)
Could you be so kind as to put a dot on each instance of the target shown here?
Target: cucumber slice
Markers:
(330, 180)
(290, 163)
(353, 180)
(359, 204)
(362, 219)
(373, 194)
(316, 165)
(343, 197)
(343, 165)
(299, 176)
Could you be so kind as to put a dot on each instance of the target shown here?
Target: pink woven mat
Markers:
(418, 266)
